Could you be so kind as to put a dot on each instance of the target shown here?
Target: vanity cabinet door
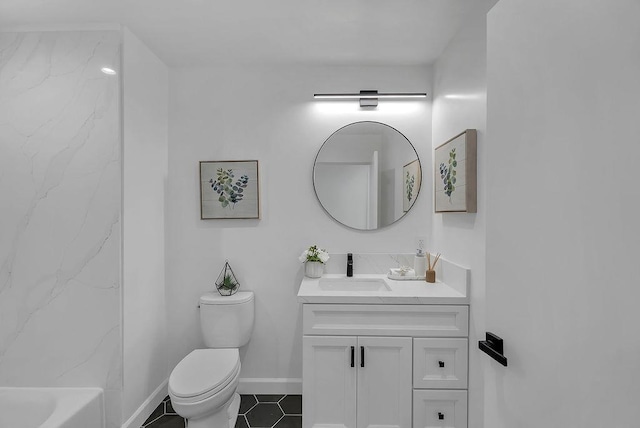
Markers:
(329, 381)
(384, 382)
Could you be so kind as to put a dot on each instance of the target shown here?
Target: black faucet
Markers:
(349, 264)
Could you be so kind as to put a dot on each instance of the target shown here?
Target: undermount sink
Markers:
(353, 284)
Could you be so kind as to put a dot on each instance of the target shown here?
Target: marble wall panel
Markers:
(60, 193)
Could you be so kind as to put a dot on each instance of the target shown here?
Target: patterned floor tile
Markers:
(256, 411)
(291, 404)
(246, 403)
(167, 421)
(159, 411)
(264, 415)
(241, 422)
(289, 422)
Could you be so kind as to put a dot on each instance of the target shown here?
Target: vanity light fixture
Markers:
(370, 98)
(108, 71)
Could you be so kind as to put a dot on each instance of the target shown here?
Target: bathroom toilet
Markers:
(203, 385)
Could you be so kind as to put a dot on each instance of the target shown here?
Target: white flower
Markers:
(323, 256)
(314, 254)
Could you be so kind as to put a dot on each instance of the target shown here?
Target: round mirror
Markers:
(367, 175)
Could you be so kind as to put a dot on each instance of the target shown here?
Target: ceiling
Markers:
(207, 32)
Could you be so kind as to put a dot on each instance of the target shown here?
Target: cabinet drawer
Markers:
(439, 408)
(390, 320)
(440, 363)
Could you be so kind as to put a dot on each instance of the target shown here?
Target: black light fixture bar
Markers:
(374, 94)
(370, 98)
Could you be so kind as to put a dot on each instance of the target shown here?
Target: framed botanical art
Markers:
(229, 189)
(455, 174)
(411, 179)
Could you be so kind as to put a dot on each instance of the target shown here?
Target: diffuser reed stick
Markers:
(432, 267)
(436, 261)
(431, 273)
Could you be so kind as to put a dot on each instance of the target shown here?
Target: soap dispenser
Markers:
(420, 263)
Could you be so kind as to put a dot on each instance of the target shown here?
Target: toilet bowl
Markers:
(202, 387)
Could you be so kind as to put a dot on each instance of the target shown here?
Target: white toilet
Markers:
(203, 385)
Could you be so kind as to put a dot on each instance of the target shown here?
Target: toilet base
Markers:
(224, 418)
(234, 408)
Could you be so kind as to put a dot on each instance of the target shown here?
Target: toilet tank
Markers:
(226, 321)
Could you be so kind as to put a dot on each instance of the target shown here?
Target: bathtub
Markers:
(51, 408)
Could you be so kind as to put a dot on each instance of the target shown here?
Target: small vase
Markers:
(313, 269)
(431, 276)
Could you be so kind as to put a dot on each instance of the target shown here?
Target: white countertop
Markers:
(401, 292)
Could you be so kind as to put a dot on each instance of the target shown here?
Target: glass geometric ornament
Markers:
(227, 283)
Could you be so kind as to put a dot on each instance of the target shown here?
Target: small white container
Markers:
(313, 269)
(420, 263)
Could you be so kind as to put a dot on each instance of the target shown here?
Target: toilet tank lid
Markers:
(215, 298)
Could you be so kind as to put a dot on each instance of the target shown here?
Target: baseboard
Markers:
(146, 408)
(270, 385)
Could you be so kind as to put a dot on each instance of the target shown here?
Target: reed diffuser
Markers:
(431, 272)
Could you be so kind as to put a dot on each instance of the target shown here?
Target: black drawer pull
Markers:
(353, 356)
(441, 363)
(362, 356)
(440, 416)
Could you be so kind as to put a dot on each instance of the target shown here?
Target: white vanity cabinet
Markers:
(384, 365)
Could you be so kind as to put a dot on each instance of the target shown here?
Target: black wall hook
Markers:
(493, 347)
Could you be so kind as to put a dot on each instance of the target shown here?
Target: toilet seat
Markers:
(204, 373)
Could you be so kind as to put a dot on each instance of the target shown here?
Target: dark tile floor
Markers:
(256, 411)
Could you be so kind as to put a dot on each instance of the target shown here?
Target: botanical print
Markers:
(412, 175)
(229, 189)
(455, 174)
(230, 192)
(448, 174)
(409, 182)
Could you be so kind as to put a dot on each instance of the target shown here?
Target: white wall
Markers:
(460, 96)
(269, 114)
(60, 189)
(145, 126)
(563, 208)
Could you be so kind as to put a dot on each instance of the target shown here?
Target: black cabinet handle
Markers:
(362, 356)
(440, 416)
(353, 356)
(441, 363)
